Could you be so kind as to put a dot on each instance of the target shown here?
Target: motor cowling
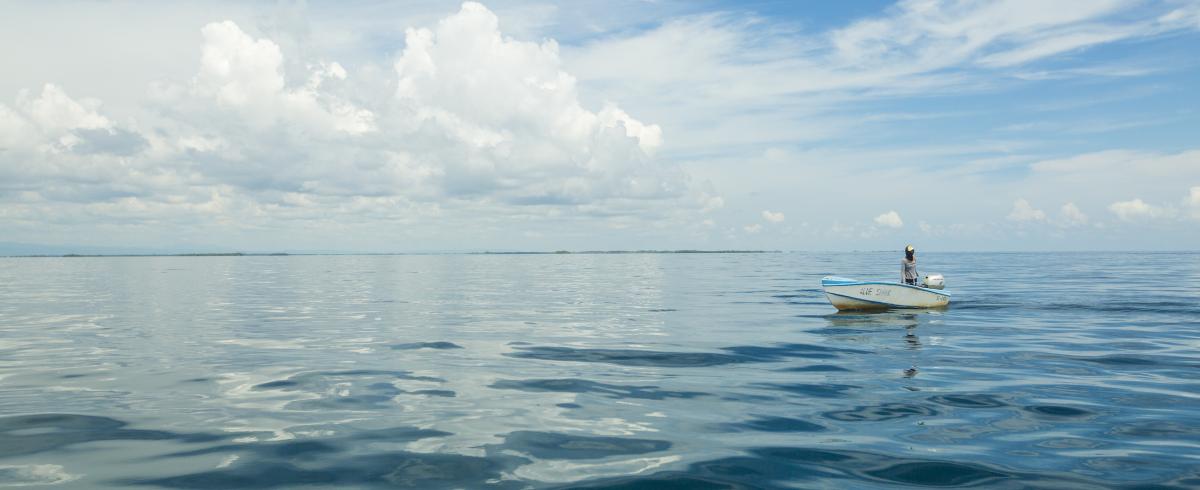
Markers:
(933, 281)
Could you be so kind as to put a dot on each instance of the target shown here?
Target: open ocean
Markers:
(1048, 370)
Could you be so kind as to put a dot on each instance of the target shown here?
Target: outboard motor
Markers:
(933, 281)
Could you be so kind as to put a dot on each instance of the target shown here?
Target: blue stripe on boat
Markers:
(842, 281)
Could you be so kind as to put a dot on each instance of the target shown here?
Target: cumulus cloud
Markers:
(1023, 211)
(889, 219)
(1135, 210)
(474, 121)
(246, 74)
(754, 228)
(54, 122)
(1072, 216)
(513, 117)
(54, 110)
(57, 148)
(1192, 202)
(776, 217)
(464, 123)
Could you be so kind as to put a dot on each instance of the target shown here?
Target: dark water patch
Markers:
(394, 469)
(1071, 443)
(348, 402)
(764, 423)
(779, 467)
(571, 385)
(881, 412)
(663, 481)
(554, 445)
(814, 368)
(427, 345)
(1159, 429)
(628, 357)
(1133, 346)
(886, 468)
(1117, 361)
(813, 390)
(31, 434)
(661, 310)
(441, 393)
(972, 400)
(72, 376)
(394, 434)
(1157, 307)
(384, 388)
(293, 449)
(938, 474)
(1058, 412)
(568, 405)
(789, 351)
(275, 385)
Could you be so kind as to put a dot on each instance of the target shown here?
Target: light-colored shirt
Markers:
(908, 269)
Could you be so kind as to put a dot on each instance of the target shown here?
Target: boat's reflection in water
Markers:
(871, 324)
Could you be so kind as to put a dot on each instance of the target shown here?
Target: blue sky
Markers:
(385, 126)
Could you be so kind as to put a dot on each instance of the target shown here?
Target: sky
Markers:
(372, 126)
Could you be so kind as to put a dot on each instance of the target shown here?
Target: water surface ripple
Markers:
(596, 371)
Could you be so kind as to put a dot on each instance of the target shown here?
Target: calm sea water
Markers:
(598, 371)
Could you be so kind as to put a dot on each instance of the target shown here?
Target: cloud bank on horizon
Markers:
(522, 125)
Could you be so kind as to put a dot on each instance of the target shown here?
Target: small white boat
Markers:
(851, 294)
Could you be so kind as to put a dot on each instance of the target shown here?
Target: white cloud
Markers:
(1072, 216)
(246, 74)
(54, 122)
(457, 127)
(513, 117)
(889, 219)
(754, 228)
(475, 127)
(1023, 211)
(776, 217)
(1136, 209)
(54, 110)
(1193, 202)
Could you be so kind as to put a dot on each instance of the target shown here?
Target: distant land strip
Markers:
(279, 254)
(585, 252)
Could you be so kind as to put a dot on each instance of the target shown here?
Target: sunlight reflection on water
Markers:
(720, 370)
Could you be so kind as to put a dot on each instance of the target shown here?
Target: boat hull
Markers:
(850, 294)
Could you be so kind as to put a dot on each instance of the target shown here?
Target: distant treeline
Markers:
(276, 254)
(218, 254)
(635, 252)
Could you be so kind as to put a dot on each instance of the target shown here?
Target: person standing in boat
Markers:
(908, 266)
